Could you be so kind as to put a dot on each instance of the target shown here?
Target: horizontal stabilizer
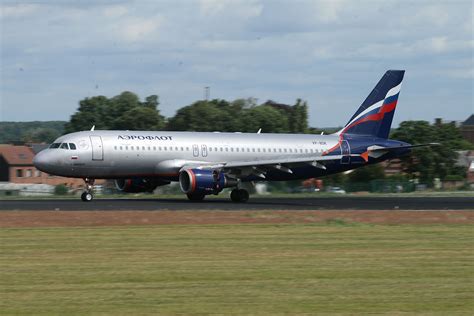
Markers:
(378, 151)
(381, 148)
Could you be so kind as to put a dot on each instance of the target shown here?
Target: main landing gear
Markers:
(195, 196)
(239, 195)
(87, 195)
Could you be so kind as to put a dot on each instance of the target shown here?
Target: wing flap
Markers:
(271, 163)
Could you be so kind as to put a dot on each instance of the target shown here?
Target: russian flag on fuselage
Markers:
(374, 117)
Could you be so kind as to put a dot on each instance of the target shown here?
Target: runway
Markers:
(259, 203)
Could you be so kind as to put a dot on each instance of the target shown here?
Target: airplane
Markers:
(205, 163)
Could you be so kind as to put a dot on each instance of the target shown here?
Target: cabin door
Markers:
(97, 148)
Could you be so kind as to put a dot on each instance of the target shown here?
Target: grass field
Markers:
(331, 268)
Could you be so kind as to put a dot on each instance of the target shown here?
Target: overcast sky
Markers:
(329, 53)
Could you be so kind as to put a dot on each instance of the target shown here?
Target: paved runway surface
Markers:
(327, 203)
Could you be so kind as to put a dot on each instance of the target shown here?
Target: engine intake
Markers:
(204, 181)
(137, 185)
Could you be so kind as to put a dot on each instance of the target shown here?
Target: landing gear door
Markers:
(345, 152)
(97, 148)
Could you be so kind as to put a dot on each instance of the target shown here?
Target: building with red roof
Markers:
(16, 166)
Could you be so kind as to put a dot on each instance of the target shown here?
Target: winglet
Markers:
(93, 127)
(259, 131)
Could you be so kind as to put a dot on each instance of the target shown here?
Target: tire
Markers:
(239, 196)
(244, 195)
(195, 196)
(87, 197)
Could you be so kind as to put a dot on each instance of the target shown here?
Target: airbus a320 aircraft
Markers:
(206, 163)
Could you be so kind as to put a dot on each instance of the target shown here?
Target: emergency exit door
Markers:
(97, 148)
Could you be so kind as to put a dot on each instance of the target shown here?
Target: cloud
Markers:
(135, 29)
(327, 52)
(115, 11)
(17, 11)
(240, 8)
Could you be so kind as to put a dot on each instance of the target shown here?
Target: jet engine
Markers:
(137, 185)
(197, 181)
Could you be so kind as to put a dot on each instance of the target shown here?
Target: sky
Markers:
(328, 53)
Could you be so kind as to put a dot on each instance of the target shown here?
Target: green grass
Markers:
(331, 268)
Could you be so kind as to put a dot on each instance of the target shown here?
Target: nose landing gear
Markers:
(87, 195)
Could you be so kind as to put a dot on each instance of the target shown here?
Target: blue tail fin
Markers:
(374, 117)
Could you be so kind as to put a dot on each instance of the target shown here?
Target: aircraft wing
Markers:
(259, 167)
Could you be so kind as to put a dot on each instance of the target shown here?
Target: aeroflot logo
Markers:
(141, 137)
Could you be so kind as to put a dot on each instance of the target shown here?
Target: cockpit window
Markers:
(64, 146)
(72, 146)
(55, 145)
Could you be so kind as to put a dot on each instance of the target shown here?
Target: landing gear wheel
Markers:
(195, 196)
(239, 195)
(87, 196)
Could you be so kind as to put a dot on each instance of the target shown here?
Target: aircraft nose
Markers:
(41, 161)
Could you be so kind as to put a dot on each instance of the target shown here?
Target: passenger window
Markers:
(143, 147)
(120, 147)
(154, 148)
(72, 146)
(115, 147)
(64, 146)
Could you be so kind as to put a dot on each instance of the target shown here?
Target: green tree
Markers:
(269, 119)
(428, 163)
(367, 173)
(37, 132)
(206, 116)
(92, 111)
(139, 118)
(124, 111)
(41, 135)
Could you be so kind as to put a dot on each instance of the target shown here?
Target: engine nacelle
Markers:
(137, 185)
(204, 181)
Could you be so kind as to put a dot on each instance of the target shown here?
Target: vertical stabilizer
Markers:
(374, 117)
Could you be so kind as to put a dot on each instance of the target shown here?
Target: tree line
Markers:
(126, 111)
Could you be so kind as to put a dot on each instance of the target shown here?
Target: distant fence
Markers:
(381, 186)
